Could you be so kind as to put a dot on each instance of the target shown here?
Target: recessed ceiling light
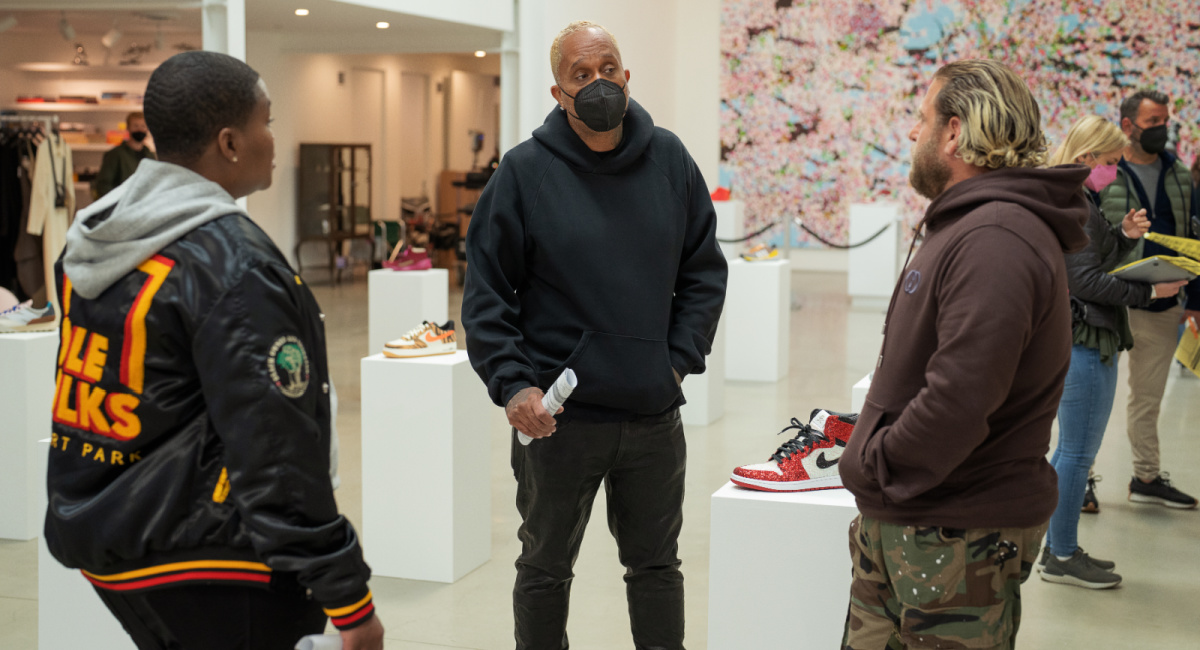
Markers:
(480, 53)
(301, 12)
(382, 25)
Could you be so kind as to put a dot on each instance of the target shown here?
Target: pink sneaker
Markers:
(412, 259)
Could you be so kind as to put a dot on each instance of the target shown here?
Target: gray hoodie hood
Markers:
(152, 209)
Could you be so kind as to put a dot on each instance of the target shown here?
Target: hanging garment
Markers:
(31, 270)
(10, 208)
(52, 204)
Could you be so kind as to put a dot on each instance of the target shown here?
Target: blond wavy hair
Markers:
(1092, 134)
(1001, 123)
(577, 26)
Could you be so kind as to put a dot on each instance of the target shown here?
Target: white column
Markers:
(705, 392)
(858, 394)
(510, 87)
(731, 224)
(426, 478)
(776, 558)
(872, 273)
(758, 315)
(26, 400)
(224, 27)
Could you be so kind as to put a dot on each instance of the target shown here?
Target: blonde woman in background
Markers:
(1100, 332)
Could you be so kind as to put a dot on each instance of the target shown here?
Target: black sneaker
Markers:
(1079, 571)
(1159, 491)
(1090, 504)
(1098, 563)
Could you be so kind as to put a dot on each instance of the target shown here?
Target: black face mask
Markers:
(1154, 139)
(600, 105)
(138, 136)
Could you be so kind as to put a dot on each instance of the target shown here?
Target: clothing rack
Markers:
(49, 121)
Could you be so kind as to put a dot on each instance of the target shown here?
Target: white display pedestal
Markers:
(757, 315)
(858, 394)
(872, 268)
(705, 393)
(426, 467)
(26, 400)
(774, 558)
(398, 301)
(62, 590)
(731, 224)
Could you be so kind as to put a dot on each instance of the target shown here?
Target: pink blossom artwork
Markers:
(818, 96)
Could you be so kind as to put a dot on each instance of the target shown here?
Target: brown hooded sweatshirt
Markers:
(976, 346)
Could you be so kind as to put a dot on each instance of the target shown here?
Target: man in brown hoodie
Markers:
(948, 459)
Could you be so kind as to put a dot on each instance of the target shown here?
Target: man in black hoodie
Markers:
(948, 459)
(593, 248)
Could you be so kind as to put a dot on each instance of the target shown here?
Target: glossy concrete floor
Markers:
(832, 346)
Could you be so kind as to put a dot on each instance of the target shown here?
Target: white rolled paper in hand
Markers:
(320, 642)
(555, 397)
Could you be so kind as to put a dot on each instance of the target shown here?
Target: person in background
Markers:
(1153, 179)
(947, 462)
(1196, 176)
(189, 461)
(1101, 332)
(122, 160)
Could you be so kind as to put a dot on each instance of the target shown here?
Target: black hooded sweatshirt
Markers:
(956, 425)
(607, 264)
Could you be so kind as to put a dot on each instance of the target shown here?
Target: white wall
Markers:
(309, 105)
(474, 105)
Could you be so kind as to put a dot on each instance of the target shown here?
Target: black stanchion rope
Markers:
(810, 231)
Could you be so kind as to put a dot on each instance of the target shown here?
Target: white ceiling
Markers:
(332, 24)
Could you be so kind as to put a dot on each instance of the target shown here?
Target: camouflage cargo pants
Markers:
(928, 587)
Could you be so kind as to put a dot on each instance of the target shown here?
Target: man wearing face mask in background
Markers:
(121, 161)
(593, 248)
(1150, 177)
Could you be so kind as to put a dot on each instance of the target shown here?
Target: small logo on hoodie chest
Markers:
(912, 281)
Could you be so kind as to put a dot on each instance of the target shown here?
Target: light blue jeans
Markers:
(1082, 417)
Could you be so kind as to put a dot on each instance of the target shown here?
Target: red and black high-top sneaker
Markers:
(806, 462)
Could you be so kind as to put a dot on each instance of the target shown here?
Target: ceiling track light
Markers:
(382, 25)
(480, 53)
(65, 28)
(301, 12)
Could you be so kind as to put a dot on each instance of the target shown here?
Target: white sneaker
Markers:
(24, 318)
(425, 341)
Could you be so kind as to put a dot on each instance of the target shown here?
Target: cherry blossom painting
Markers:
(818, 96)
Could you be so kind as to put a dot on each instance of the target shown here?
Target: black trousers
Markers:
(642, 466)
(216, 617)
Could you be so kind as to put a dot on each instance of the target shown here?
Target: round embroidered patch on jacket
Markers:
(912, 281)
(287, 363)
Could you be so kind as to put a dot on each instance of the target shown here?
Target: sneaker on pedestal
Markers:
(425, 341)
(806, 462)
(24, 318)
(412, 259)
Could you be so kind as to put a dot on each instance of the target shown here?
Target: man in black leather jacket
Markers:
(189, 462)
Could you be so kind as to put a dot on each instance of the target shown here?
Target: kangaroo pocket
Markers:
(622, 372)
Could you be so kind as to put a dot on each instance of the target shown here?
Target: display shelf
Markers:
(82, 69)
(62, 107)
(91, 146)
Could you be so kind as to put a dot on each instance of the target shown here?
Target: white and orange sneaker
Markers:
(425, 341)
(806, 462)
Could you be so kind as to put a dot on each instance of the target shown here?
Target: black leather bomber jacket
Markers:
(191, 431)
(1096, 295)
